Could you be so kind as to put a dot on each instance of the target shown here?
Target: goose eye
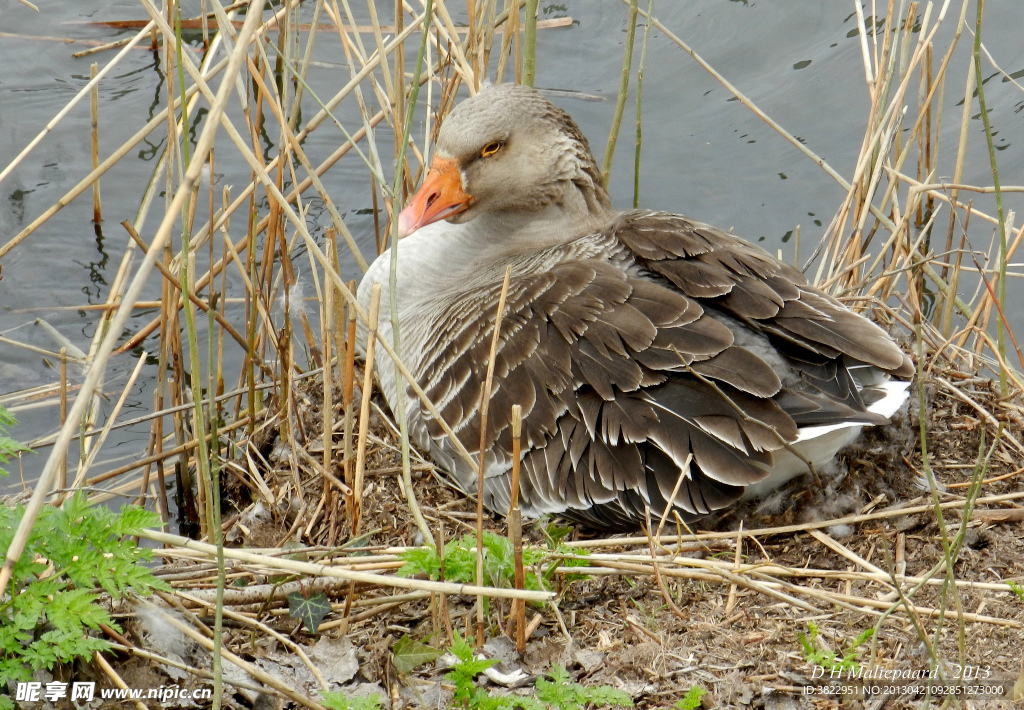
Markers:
(491, 148)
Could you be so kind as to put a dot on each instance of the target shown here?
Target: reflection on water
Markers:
(704, 153)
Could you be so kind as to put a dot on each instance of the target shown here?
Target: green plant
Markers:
(499, 561)
(8, 446)
(691, 701)
(53, 599)
(813, 653)
(409, 653)
(1018, 589)
(467, 694)
(565, 694)
(310, 609)
(554, 534)
(559, 692)
(343, 701)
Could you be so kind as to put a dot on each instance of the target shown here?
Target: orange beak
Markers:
(439, 197)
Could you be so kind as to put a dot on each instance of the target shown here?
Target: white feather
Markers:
(820, 444)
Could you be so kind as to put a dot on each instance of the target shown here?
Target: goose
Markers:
(664, 367)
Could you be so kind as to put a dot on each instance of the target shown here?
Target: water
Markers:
(704, 153)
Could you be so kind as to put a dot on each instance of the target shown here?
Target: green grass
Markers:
(1018, 589)
(847, 662)
(558, 691)
(499, 561)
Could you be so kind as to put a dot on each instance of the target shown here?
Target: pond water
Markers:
(704, 153)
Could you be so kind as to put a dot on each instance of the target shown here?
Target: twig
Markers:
(114, 677)
(485, 401)
(249, 668)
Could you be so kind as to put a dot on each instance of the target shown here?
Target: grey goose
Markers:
(662, 365)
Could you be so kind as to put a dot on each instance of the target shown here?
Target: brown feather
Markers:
(650, 353)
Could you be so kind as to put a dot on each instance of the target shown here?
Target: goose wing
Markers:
(667, 370)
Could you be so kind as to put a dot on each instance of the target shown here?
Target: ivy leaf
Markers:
(311, 611)
(410, 654)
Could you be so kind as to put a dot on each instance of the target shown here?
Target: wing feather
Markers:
(630, 375)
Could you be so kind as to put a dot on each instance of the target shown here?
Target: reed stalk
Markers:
(639, 103)
(323, 570)
(1001, 225)
(517, 615)
(484, 406)
(94, 105)
(364, 408)
(62, 474)
(400, 415)
(134, 289)
(530, 43)
(620, 99)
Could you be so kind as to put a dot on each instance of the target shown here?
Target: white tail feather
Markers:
(820, 444)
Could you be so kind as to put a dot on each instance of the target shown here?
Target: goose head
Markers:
(508, 155)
